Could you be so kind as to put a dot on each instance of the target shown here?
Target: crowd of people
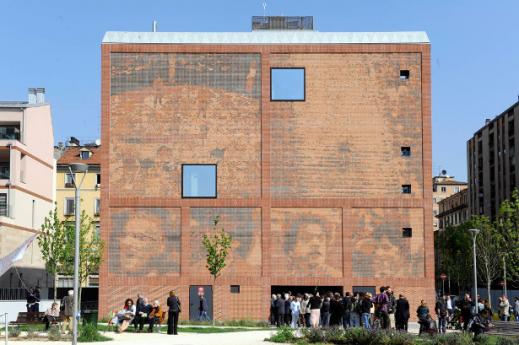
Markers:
(383, 311)
(142, 312)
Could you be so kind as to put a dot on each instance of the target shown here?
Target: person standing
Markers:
(280, 308)
(202, 309)
(67, 306)
(273, 312)
(304, 307)
(402, 313)
(516, 309)
(336, 310)
(504, 308)
(347, 307)
(308, 310)
(288, 315)
(365, 308)
(355, 311)
(450, 308)
(315, 310)
(391, 307)
(441, 312)
(382, 307)
(325, 312)
(466, 311)
(423, 313)
(173, 303)
(295, 309)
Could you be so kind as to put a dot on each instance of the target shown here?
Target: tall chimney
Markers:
(154, 26)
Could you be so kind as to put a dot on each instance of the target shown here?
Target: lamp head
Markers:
(78, 167)
(474, 232)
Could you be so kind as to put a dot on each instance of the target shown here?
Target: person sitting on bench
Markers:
(51, 315)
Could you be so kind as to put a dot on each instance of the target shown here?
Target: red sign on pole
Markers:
(443, 276)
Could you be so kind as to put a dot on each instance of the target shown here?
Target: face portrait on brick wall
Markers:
(144, 242)
(310, 242)
(243, 224)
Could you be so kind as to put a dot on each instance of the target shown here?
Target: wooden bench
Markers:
(504, 328)
(32, 318)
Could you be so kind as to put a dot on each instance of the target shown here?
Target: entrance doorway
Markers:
(200, 295)
(298, 289)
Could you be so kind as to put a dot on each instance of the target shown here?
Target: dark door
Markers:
(200, 294)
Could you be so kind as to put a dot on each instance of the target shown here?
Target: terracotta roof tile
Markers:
(71, 155)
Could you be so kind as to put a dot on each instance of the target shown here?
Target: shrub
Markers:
(31, 332)
(314, 335)
(14, 331)
(358, 336)
(54, 333)
(89, 333)
(507, 341)
(335, 335)
(283, 335)
(452, 339)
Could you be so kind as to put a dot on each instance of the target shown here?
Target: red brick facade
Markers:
(329, 168)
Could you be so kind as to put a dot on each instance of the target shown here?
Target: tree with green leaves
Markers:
(507, 224)
(51, 241)
(217, 244)
(90, 249)
(488, 251)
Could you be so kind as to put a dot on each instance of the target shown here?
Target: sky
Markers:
(475, 52)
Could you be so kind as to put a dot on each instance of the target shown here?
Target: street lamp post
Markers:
(73, 169)
(474, 233)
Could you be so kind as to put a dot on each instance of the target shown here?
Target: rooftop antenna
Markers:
(154, 26)
(264, 8)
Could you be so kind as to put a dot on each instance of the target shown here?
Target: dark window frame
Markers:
(235, 289)
(405, 151)
(405, 74)
(289, 100)
(215, 181)
(407, 232)
(404, 188)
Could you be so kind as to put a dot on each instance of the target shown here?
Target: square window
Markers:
(69, 180)
(235, 289)
(199, 180)
(405, 151)
(407, 232)
(404, 74)
(406, 189)
(287, 84)
(85, 155)
(69, 206)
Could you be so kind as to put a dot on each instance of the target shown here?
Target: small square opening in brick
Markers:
(235, 289)
(407, 232)
(406, 189)
(405, 151)
(404, 74)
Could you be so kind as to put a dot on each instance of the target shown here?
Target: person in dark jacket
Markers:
(466, 311)
(325, 312)
(280, 310)
(273, 312)
(143, 314)
(422, 312)
(336, 310)
(347, 307)
(174, 309)
(365, 308)
(288, 313)
(402, 313)
(139, 311)
(441, 312)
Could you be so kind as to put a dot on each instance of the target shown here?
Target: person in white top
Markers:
(295, 308)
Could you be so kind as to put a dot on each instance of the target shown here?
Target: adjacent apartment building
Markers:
(313, 148)
(88, 154)
(26, 187)
(492, 160)
(454, 210)
(443, 187)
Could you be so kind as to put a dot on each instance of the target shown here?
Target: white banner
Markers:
(8, 261)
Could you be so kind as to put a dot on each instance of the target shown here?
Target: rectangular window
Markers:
(97, 207)
(405, 151)
(406, 189)
(287, 84)
(404, 74)
(69, 207)
(456, 189)
(3, 205)
(98, 229)
(407, 232)
(85, 155)
(364, 289)
(235, 289)
(444, 189)
(98, 179)
(69, 180)
(199, 180)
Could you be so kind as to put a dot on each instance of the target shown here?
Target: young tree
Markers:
(90, 250)
(51, 241)
(507, 224)
(488, 251)
(217, 244)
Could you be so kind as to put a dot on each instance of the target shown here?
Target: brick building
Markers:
(492, 160)
(314, 149)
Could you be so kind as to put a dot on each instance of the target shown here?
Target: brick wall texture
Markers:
(310, 191)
